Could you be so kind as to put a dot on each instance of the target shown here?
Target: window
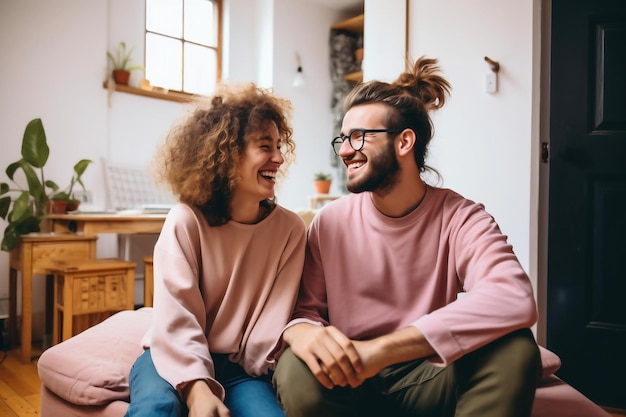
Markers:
(183, 45)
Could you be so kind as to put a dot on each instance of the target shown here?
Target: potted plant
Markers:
(24, 206)
(322, 182)
(120, 64)
(63, 201)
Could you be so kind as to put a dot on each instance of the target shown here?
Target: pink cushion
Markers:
(555, 398)
(550, 362)
(92, 367)
(54, 406)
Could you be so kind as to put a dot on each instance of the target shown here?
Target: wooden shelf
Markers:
(170, 95)
(354, 24)
(356, 77)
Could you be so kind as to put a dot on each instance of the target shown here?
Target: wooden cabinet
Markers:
(35, 254)
(353, 25)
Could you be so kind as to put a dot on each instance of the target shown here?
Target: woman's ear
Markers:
(406, 142)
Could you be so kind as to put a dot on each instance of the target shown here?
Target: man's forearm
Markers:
(400, 346)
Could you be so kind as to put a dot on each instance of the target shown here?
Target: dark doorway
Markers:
(586, 285)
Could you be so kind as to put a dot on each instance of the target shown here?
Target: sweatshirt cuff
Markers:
(440, 339)
(215, 387)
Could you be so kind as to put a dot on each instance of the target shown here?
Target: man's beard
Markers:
(382, 171)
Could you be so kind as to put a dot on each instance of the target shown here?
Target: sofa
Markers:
(87, 375)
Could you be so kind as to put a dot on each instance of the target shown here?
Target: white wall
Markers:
(482, 145)
(312, 117)
(58, 50)
(485, 145)
(55, 74)
(384, 57)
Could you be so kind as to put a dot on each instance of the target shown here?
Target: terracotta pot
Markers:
(322, 186)
(72, 205)
(56, 206)
(121, 76)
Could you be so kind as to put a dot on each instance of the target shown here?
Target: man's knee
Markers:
(298, 391)
(500, 377)
(518, 353)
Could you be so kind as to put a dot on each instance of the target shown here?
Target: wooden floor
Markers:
(19, 387)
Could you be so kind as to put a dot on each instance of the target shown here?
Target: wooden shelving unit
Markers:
(353, 25)
(356, 77)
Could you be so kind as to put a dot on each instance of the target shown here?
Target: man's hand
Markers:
(328, 353)
(402, 345)
(334, 359)
(202, 402)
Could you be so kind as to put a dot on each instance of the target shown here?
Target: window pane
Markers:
(165, 16)
(200, 22)
(200, 69)
(163, 62)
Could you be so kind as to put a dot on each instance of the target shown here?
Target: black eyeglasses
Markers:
(356, 138)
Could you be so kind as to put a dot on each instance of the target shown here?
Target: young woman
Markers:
(227, 263)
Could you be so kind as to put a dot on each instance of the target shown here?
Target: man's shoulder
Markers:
(449, 198)
(454, 208)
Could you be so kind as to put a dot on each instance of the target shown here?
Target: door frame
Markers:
(540, 183)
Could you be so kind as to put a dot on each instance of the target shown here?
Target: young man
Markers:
(378, 329)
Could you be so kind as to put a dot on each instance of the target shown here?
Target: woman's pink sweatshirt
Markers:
(224, 289)
(368, 274)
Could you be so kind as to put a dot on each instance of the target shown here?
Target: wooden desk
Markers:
(91, 224)
(33, 255)
(123, 225)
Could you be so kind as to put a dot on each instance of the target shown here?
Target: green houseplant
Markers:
(322, 176)
(322, 182)
(24, 206)
(120, 63)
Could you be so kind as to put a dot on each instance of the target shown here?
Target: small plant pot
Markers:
(322, 186)
(72, 205)
(121, 76)
(56, 206)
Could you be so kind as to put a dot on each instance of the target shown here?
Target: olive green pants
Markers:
(496, 380)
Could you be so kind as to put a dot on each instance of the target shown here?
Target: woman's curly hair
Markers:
(199, 158)
(409, 98)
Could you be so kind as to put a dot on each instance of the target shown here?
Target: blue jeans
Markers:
(246, 396)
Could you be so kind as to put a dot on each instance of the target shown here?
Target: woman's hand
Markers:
(202, 402)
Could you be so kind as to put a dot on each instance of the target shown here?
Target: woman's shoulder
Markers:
(182, 211)
(184, 216)
(288, 216)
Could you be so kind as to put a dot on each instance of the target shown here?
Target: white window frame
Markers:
(217, 47)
